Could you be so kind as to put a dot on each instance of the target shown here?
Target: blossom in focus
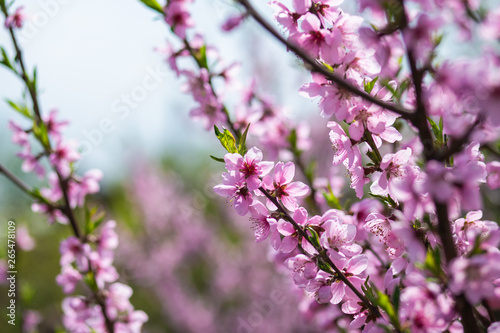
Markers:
(281, 186)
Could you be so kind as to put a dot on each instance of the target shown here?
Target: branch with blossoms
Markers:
(87, 256)
(375, 82)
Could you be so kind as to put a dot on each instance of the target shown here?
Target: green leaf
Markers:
(433, 262)
(202, 57)
(242, 147)
(40, 132)
(218, 159)
(373, 156)
(331, 199)
(153, 4)
(22, 109)
(438, 132)
(90, 280)
(369, 85)
(226, 139)
(388, 200)
(314, 239)
(6, 61)
(292, 139)
(93, 219)
(385, 304)
(395, 299)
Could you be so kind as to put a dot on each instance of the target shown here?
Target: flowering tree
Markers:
(411, 128)
(416, 133)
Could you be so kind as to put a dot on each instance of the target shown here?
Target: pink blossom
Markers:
(409, 190)
(282, 188)
(24, 240)
(53, 214)
(319, 42)
(68, 279)
(233, 22)
(236, 191)
(303, 269)
(334, 100)
(118, 300)
(107, 240)
(264, 225)
(79, 316)
(493, 169)
(63, 155)
(378, 225)
(291, 237)
(424, 308)
(178, 18)
(132, 322)
(347, 153)
(73, 250)
(419, 39)
(467, 229)
(351, 268)
(53, 126)
(31, 320)
(392, 166)
(251, 167)
(285, 17)
(88, 184)
(19, 137)
(474, 276)
(339, 235)
(15, 20)
(103, 269)
(30, 162)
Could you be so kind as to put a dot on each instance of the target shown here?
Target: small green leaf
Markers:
(292, 139)
(373, 156)
(93, 219)
(314, 239)
(433, 262)
(242, 147)
(153, 4)
(40, 132)
(22, 109)
(385, 303)
(6, 61)
(388, 200)
(438, 132)
(218, 159)
(331, 199)
(90, 280)
(395, 299)
(202, 57)
(226, 139)
(369, 85)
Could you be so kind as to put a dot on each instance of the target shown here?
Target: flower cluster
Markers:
(87, 256)
(83, 261)
(411, 131)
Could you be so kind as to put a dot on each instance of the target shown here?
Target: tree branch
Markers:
(315, 67)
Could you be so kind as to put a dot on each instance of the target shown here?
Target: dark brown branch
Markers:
(315, 67)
